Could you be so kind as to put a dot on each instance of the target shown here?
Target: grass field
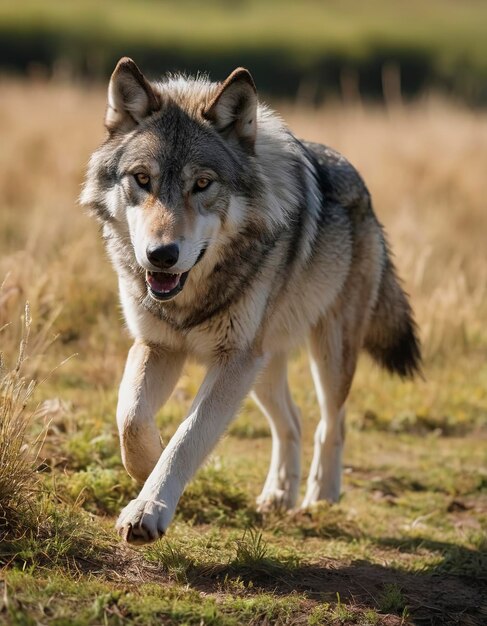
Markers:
(407, 542)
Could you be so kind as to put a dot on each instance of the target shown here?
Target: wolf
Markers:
(234, 242)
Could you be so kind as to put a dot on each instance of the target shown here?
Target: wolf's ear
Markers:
(130, 97)
(233, 110)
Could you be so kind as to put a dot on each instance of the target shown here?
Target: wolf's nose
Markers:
(163, 257)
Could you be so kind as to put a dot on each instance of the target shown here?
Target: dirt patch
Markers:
(431, 598)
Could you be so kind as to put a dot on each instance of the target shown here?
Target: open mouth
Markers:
(164, 286)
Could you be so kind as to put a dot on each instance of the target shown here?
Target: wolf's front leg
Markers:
(148, 380)
(224, 387)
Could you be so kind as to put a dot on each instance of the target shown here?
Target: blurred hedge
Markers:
(308, 48)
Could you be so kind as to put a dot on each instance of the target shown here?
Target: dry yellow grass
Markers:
(17, 465)
(425, 168)
(424, 164)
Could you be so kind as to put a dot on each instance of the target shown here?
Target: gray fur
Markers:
(284, 247)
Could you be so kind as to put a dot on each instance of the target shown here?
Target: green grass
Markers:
(362, 561)
(414, 510)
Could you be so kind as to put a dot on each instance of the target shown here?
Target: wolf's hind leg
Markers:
(271, 392)
(332, 366)
(148, 380)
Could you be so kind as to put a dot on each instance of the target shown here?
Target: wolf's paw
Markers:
(143, 521)
(316, 493)
(275, 500)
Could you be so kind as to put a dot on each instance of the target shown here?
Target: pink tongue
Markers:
(163, 282)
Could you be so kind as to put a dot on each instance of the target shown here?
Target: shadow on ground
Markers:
(432, 597)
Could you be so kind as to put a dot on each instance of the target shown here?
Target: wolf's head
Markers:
(179, 171)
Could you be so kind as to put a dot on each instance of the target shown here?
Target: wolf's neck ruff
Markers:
(221, 284)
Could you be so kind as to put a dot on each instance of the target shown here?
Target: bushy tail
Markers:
(392, 339)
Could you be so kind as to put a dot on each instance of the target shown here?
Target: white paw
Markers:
(143, 521)
(317, 493)
(275, 500)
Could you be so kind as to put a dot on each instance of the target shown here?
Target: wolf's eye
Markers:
(201, 184)
(143, 180)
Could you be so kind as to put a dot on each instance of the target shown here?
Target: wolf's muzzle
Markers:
(164, 285)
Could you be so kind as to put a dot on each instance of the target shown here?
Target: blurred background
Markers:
(304, 50)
